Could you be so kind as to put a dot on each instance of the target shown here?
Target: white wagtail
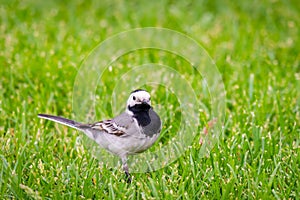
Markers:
(131, 132)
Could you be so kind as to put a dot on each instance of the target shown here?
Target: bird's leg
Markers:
(125, 168)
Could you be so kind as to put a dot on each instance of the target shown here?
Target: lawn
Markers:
(255, 46)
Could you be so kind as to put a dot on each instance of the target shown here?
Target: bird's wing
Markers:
(110, 127)
(122, 125)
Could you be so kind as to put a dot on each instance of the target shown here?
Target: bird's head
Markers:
(139, 100)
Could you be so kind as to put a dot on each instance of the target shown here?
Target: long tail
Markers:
(61, 120)
(85, 128)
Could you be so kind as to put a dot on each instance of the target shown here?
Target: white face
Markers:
(139, 97)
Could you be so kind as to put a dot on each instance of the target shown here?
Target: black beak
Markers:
(145, 104)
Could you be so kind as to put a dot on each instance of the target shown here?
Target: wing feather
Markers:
(110, 127)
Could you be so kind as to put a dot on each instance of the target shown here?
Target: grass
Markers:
(255, 46)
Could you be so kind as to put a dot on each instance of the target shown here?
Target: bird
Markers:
(133, 131)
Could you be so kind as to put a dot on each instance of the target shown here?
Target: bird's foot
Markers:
(128, 177)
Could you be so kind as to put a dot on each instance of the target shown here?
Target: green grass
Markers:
(255, 45)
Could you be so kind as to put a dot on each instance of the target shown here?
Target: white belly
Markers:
(129, 145)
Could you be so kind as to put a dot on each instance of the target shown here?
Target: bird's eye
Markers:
(133, 98)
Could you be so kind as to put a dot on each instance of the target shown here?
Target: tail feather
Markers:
(85, 128)
(61, 120)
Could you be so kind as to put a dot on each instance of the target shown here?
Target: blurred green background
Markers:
(255, 45)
